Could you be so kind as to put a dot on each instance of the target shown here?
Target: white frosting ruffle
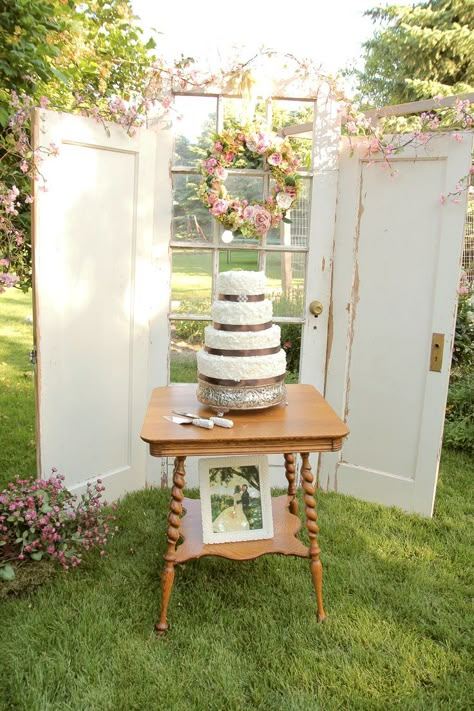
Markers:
(246, 368)
(235, 282)
(242, 340)
(250, 312)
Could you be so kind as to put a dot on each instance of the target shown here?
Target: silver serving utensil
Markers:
(219, 421)
(198, 421)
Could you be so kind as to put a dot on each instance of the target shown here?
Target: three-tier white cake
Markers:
(242, 364)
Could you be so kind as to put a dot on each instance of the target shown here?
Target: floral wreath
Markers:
(238, 215)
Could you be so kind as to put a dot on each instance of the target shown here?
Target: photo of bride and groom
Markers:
(238, 516)
(235, 499)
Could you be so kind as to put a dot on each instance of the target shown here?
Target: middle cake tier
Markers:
(216, 339)
(237, 369)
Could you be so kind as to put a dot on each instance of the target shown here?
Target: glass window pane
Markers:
(238, 112)
(187, 337)
(191, 281)
(285, 273)
(192, 220)
(291, 113)
(291, 344)
(245, 187)
(238, 259)
(193, 131)
(296, 233)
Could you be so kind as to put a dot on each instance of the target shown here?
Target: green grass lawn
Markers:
(398, 592)
(17, 421)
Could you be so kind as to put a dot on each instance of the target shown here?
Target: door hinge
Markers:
(33, 356)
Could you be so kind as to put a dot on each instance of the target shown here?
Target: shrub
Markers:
(463, 350)
(459, 422)
(38, 519)
(291, 344)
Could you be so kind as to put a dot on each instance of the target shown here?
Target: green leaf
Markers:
(59, 75)
(287, 220)
(37, 556)
(7, 572)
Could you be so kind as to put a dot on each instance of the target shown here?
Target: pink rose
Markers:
(262, 220)
(209, 165)
(274, 159)
(218, 146)
(228, 157)
(219, 208)
(220, 172)
(211, 198)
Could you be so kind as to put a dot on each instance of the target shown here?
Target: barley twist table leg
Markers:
(311, 516)
(174, 522)
(290, 475)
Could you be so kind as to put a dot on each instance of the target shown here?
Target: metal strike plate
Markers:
(437, 348)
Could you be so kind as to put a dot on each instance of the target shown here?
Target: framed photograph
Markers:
(235, 499)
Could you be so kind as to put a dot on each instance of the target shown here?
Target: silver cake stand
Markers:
(223, 398)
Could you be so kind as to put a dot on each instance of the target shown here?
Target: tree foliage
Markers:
(62, 49)
(418, 52)
(67, 56)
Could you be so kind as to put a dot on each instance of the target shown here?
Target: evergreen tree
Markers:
(419, 52)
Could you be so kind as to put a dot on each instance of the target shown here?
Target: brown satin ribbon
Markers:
(238, 297)
(242, 353)
(243, 327)
(235, 383)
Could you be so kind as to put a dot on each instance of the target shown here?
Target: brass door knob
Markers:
(316, 308)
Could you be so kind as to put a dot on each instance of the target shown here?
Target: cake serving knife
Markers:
(219, 421)
(198, 421)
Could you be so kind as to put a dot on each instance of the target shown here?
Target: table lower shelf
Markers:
(285, 529)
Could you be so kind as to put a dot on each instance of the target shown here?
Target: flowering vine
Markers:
(154, 97)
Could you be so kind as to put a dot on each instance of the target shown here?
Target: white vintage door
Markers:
(93, 234)
(396, 270)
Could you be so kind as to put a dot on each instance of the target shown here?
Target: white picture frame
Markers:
(231, 512)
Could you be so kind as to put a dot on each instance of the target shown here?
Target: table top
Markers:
(306, 424)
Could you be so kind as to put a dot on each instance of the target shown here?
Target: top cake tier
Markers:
(241, 283)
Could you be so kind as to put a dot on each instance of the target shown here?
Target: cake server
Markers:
(198, 421)
(219, 421)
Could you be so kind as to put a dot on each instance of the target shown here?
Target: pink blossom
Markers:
(274, 159)
(228, 157)
(262, 220)
(220, 207)
(248, 212)
(458, 137)
(218, 146)
(44, 102)
(220, 172)
(209, 165)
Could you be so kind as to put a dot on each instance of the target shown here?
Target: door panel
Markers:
(93, 231)
(396, 271)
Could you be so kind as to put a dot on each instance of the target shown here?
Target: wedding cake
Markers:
(242, 363)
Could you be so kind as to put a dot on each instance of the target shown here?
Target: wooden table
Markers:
(306, 424)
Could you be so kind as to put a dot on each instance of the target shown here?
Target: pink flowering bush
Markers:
(40, 518)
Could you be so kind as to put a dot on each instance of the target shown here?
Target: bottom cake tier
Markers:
(223, 398)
